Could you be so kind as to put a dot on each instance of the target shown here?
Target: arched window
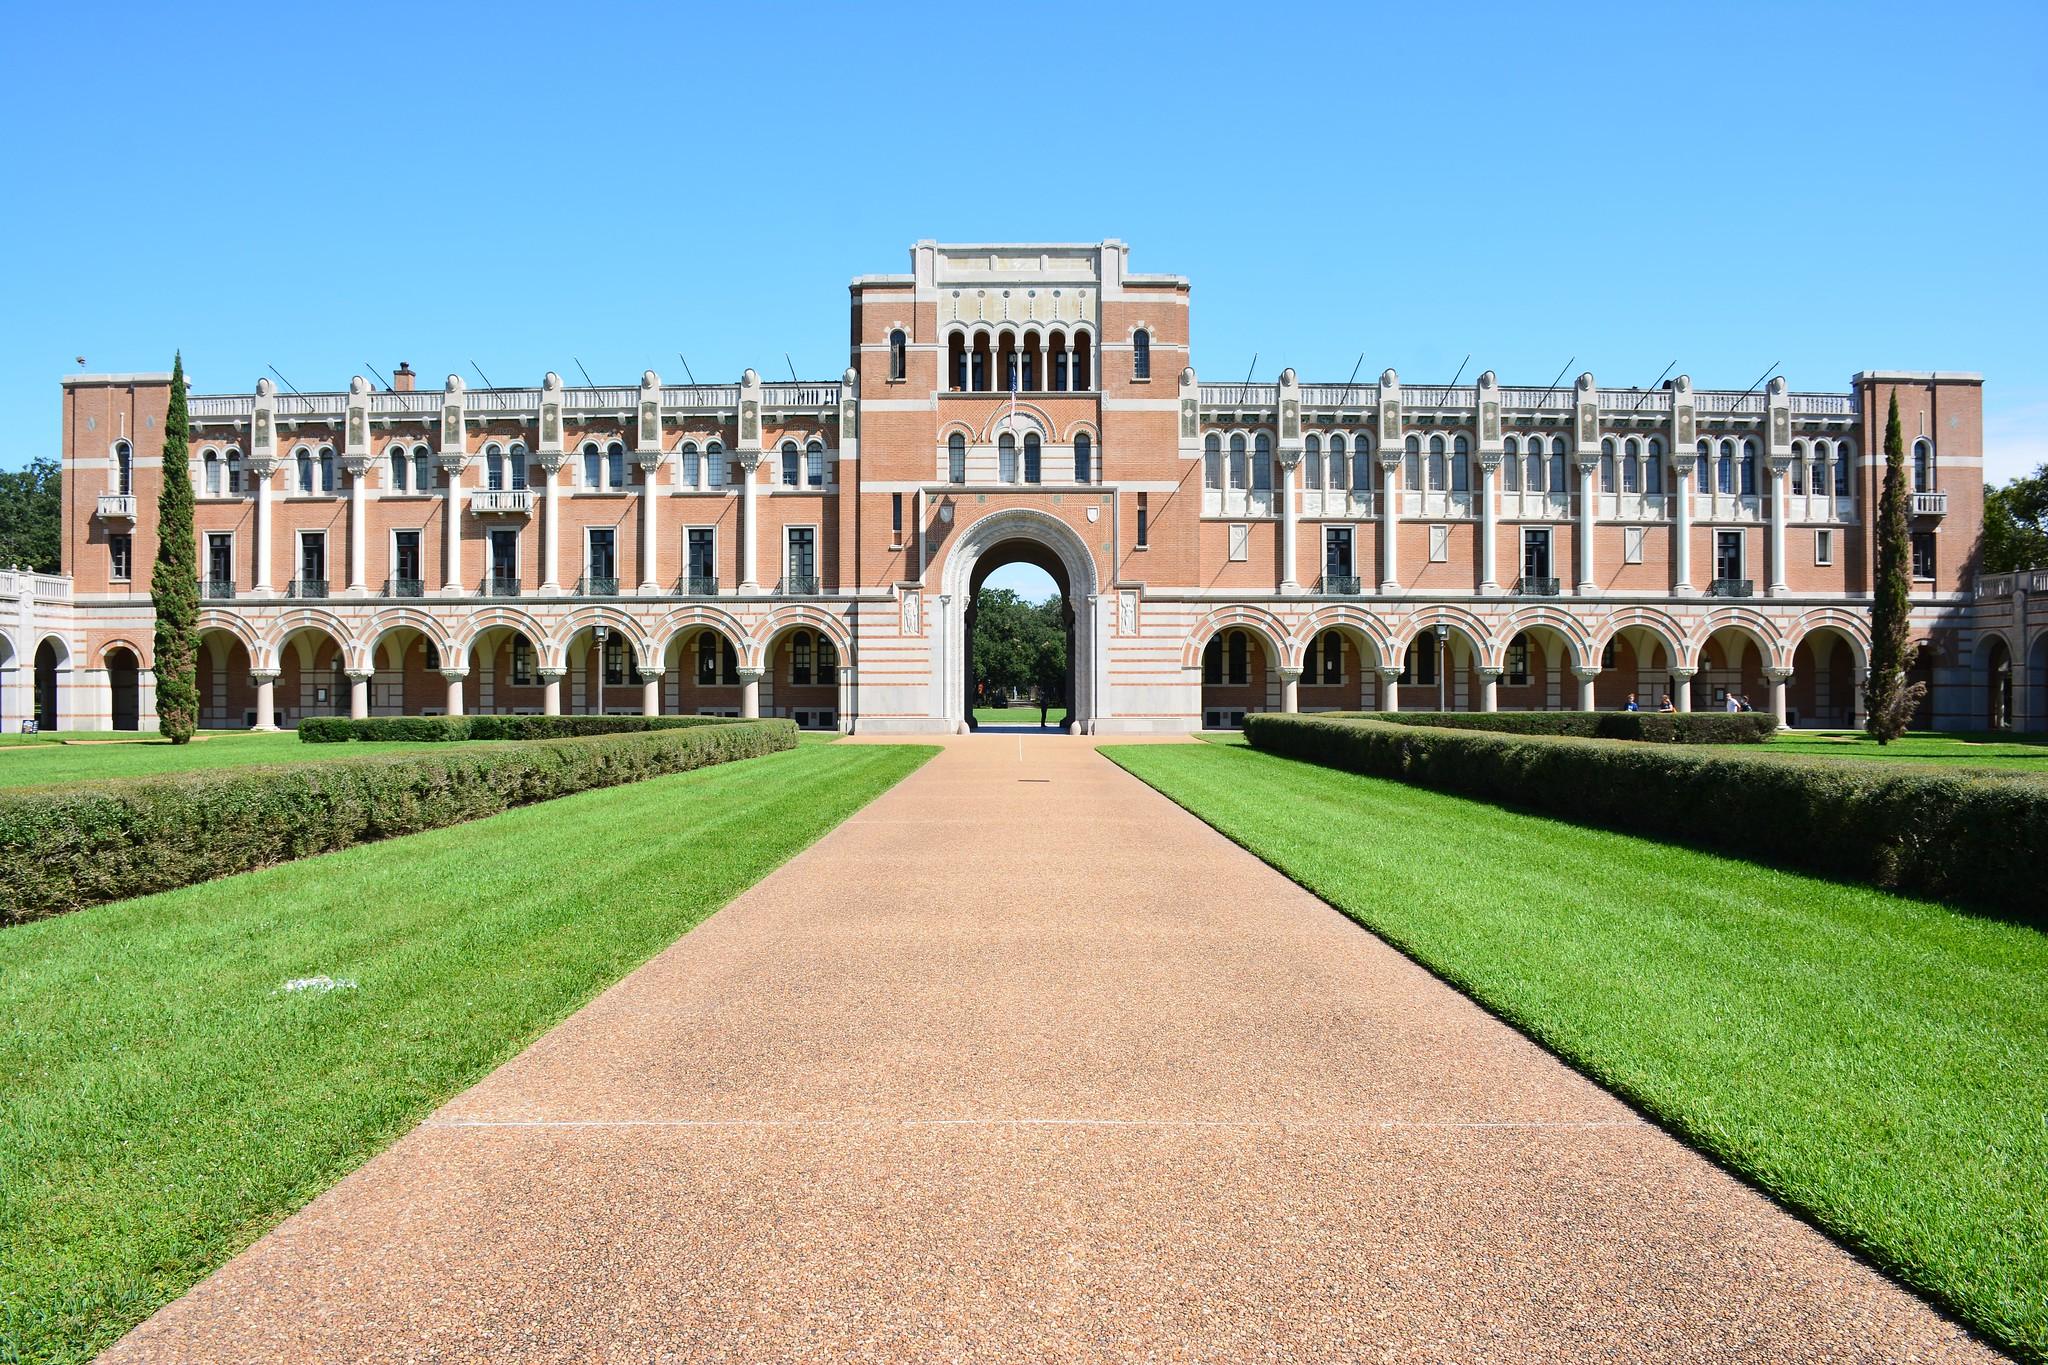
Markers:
(303, 458)
(1006, 458)
(1511, 465)
(1724, 473)
(210, 461)
(956, 361)
(1923, 467)
(1653, 468)
(1084, 458)
(1749, 469)
(1532, 465)
(1420, 664)
(689, 472)
(1361, 464)
(814, 463)
(1262, 462)
(1842, 458)
(422, 470)
(1411, 463)
(828, 661)
(615, 466)
(1559, 483)
(792, 461)
(515, 464)
(234, 471)
(956, 458)
(1461, 465)
(494, 467)
(1332, 660)
(712, 652)
(1141, 354)
(1058, 343)
(714, 465)
(1083, 376)
(1312, 462)
(1439, 472)
(1632, 466)
(1240, 649)
(800, 658)
(1517, 661)
(326, 469)
(400, 466)
(124, 468)
(1031, 467)
(1212, 660)
(1212, 461)
(1607, 465)
(1799, 466)
(593, 465)
(1238, 473)
(1340, 473)
(899, 355)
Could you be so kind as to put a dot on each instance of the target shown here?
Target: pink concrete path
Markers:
(1025, 1063)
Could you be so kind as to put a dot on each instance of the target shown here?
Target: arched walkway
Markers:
(311, 676)
(1014, 536)
(53, 671)
(1240, 675)
(1340, 671)
(124, 688)
(1440, 669)
(800, 677)
(504, 674)
(1536, 672)
(1994, 708)
(700, 672)
(1826, 688)
(1731, 661)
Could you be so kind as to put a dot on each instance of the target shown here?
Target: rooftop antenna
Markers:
(1354, 370)
(1249, 368)
(1653, 386)
(1560, 374)
(380, 375)
(585, 373)
(792, 367)
(481, 375)
(686, 366)
(1461, 370)
(281, 379)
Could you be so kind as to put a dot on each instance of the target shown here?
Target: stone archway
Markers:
(1013, 536)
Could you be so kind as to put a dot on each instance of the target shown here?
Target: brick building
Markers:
(814, 549)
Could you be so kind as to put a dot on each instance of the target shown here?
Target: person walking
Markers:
(1734, 703)
(1630, 704)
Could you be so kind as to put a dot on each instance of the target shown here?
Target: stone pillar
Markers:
(650, 691)
(1777, 678)
(1683, 434)
(451, 528)
(750, 465)
(358, 469)
(843, 709)
(260, 471)
(1586, 675)
(650, 517)
(1390, 689)
(1682, 680)
(1488, 457)
(1290, 690)
(1289, 452)
(359, 692)
(551, 523)
(551, 690)
(1779, 475)
(1588, 505)
(266, 697)
(454, 677)
(1489, 680)
(1390, 522)
(1778, 455)
(750, 692)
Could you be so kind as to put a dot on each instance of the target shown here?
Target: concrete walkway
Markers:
(1024, 1063)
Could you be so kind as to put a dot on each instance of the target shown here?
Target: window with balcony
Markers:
(124, 468)
(600, 561)
(1923, 466)
(405, 565)
(956, 458)
(1084, 458)
(700, 561)
(312, 579)
(494, 468)
(504, 562)
(899, 355)
(1141, 354)
(801, 559)
(220, 566)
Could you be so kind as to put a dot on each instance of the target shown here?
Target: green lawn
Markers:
(1019, 715)
(33, 765)
(2022, 753)
(1880, 1063)
(163, 1103)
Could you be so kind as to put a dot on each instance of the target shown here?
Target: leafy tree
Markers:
(32, 517)
(1890, 699)
(174, 583)
(2016, 524)
(1018, 645)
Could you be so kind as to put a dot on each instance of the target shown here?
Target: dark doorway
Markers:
(46, 685)
(124, 681)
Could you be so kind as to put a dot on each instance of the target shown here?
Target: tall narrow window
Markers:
(1842, 470)
(1212, 461)
(1084, 457)
(212, 466)
(688, 468)
(1749, 469)
(1799, 466)
(234, 471)
(714, 465)
(1332, 658)
(1312, 463)
(1361, 465)
(1923, 466)
(124, 468)
(1511, 466)
(1340, 475)
(1237, 460)
(899, 355)
(1607, 465)
(1006, 458)
(707, 658)
(1724, 473)
(1631, 467)
(1262, 462)
(814, 463)
(1461, 465)
(399, 468)
(515, 465)
(1240, 657)
(494, 467)
(1653, 468)
(1031, 465)
(1438, 471)
(120, 556)
(593, 466)
(326, 469)
(800, 659)
(1558, 482)
(896, 517)
(1141, 354)
(1144, 521)
(956, 458)
(304, 460)
(615, 466)
(791, 462)
(1212, 660)
(1411, 463)
(422, 470)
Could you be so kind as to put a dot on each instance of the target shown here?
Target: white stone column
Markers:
(1588, 507)
(750, 692)
(1779, 476)
(551, 526)
(551, 690)
(358, 471)
(1390, 522)
(359, 692)
(454, 677)
(650, 521)
(260, 471)
(1777, 678)
(650, 691)
(1681, 526)
(1682, 681)
(750, 465)
(451, 531)
(1290, 690)
(1489, 682)
(844, 707)
(266, 697)
(1586, 675)
(1489, 527)
(1289, 583)
(1390, 689)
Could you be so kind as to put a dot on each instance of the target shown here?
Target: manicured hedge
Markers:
(1971, 838)
(337, 729)
(1667, 727)
(61, 849)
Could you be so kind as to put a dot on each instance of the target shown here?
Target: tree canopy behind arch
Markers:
(1018, 645)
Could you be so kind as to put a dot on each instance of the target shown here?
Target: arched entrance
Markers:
(124, 684)
(1019, 536)
(1995, 667)
(52, 658)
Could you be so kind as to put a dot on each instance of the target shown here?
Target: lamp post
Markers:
(600, 634)
(1443, 661)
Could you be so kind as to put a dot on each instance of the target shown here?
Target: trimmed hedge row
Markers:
(416, 729)
(62, 849)
(1657, 727)
(1971, 838)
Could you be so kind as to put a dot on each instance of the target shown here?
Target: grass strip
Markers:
(1874, 1061)
(41, 764)
(163, 1102)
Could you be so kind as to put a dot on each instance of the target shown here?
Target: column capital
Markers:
(1288, 675)
(355, 466)
(552, 461)
(454, 675)
(551, 674)
(360, 674)
(1492, 674)
(1682, 674)
(650, 674)
(751, 675)
(1390, 672)
(1777, 675)
(265, 675)
(1585, 672)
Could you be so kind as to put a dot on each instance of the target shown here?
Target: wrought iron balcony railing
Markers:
(799, 585)
(500, 585)
(306, 587)
(699, 585)
(1536, 587)
(1338, 585)
(405, 587)
(1732, 587)
(597, 585)
(217, 589)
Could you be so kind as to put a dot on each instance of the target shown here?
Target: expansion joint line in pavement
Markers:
(1567, 1125)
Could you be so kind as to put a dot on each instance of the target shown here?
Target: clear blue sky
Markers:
(1828, 187)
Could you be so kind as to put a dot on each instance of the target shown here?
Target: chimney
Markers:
(401, 378)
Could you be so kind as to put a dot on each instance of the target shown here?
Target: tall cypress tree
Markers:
(174, 582)
(1889, 700)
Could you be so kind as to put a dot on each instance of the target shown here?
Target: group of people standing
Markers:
(1736, 702)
